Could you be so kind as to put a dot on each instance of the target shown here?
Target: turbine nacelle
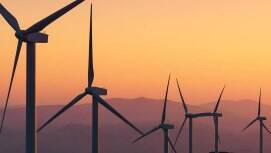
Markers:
(96, 91)
(167, 126)
(207, 114)
(261, 118)
(32, 37)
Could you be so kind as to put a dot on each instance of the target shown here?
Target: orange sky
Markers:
(138, 43)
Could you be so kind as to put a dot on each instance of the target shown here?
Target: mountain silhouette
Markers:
(71, 133)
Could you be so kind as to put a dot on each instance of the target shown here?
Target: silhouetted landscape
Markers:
(206, 44)
(73, 128)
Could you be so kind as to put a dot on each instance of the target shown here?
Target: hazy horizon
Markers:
(73, 128)
(89, 101)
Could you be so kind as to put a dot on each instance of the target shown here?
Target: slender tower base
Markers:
(95, 91)
(165, 140)
(30, 99)
(190, 135)
(216, 134)
(30, 136)
(95, 126)
(261, 136)
(166, 128)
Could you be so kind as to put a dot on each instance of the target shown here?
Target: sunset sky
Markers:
(137, 43)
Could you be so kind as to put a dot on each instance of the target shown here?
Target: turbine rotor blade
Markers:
(90, 58)
(165, 103)
(265, 127)
(147, 133)
(171, 145)
(51, 18)
(115, 112)
(219, 139)
(19, 46)
(218, 101)
(180, 131)
(11, 20)
(66, 107)
(182, 98)
(259, 106)
(250, 124)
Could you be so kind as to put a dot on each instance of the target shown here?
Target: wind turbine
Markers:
(190, 116)
(162, 126)
(261, 119)
(30, 36)
(95, 92)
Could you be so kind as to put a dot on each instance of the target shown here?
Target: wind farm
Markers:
(191, 116)
(162, 126)
(56, 101)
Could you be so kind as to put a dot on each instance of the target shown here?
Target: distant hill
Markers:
(71, 133)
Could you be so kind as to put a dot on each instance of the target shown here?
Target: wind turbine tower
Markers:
(162, 126)
(261, 120)
(30, 36)
(95, 93)
(190, 116)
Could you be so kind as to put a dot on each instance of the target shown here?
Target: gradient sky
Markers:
(137, 43)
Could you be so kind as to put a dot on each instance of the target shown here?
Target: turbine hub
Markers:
(218, 114)
(167, 126)
(20, 35)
